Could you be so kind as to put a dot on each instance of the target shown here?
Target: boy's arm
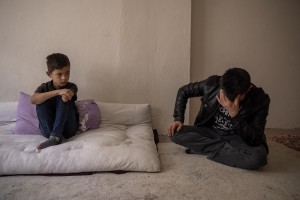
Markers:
(38, 98)
(74, 89)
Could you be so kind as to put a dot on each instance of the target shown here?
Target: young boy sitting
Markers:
(55, 102)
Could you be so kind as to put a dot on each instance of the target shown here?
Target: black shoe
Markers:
(189, 151)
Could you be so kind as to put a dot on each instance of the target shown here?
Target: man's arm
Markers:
(252, 130)
(173, 127)
(183, 94)
(231, 107)
(188, 91)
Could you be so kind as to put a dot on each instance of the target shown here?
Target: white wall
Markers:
(137, 51)
(126, 51)
(263, 36)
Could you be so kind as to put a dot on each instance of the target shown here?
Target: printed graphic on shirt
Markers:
(222, 120)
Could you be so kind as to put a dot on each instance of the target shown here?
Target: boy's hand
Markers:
(177, 125)
(66, 94)
(65, 98)
(231, 107)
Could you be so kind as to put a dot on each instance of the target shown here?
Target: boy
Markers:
(230, 125)
(55, 102)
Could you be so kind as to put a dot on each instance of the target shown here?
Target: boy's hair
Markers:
(234, 82)
(57, 61)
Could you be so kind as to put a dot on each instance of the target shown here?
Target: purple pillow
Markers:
(27, 121)
(89, 115)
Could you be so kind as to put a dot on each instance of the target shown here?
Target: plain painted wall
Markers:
(125, 51)
(138, 51)
(263, 36)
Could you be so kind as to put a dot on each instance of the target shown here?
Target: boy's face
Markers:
(60, 77)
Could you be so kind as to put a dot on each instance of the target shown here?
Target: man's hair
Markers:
(234, 82)
(57, 61)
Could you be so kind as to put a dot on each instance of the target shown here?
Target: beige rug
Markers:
(183, 176)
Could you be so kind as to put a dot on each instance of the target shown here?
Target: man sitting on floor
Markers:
(230, 125)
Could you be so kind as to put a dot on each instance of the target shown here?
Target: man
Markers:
(230, 125)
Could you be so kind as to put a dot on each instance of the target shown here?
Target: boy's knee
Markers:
(42, 106)
(59, 99)
(63, 104)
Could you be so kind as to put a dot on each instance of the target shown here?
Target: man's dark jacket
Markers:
(250, 121)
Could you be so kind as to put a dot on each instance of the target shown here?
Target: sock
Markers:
(50, 142)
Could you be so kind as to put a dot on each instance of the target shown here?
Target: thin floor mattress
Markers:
(124, 141)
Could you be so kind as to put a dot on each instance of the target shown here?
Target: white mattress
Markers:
(124, 141)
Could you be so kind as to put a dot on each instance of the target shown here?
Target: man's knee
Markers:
(259, 159)
(180, 137)
(175, 138)
(256, 160)
(250, 158)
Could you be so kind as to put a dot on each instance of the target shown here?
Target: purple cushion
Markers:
(27, 121)
(89, 115)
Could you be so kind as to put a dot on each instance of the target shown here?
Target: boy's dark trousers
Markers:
(227, 149)
(57, 118)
